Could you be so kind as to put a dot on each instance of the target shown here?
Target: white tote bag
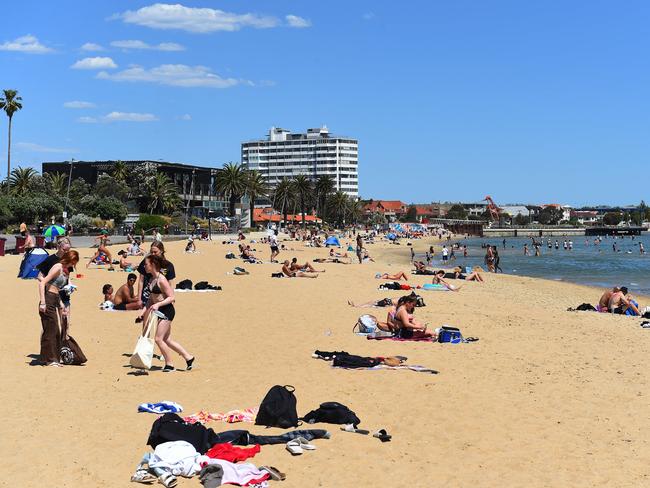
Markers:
(143, 353)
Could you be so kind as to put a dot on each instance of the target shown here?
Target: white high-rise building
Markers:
(316, 153)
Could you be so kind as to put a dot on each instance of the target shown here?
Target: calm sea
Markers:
(588, 264)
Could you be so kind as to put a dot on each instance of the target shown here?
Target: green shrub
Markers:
(148, 222)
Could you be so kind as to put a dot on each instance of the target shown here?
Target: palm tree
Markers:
(339, 206)
(230, 181)
(283, 197)
(22, 180)
(57, 182)
(10, 103)
(303, 189)
(256, 186)
(120, 171)
(163, 194)
(324, 187)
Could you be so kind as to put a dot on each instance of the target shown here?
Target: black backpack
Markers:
(278, 409)
(332, 413)
(201, 285)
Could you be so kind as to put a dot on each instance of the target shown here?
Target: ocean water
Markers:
(587, 264)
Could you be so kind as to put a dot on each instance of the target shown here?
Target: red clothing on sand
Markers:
(231, 453)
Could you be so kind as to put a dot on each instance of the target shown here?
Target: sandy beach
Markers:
(545, 398)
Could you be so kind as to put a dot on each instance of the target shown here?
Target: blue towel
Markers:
(161, 407)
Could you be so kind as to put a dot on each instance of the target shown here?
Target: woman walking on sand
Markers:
(51, 309)
(161, 303)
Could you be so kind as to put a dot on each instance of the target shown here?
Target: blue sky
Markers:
(525, 101)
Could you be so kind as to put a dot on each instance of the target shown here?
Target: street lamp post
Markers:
(67, 196)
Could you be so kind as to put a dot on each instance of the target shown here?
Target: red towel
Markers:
(231, 453)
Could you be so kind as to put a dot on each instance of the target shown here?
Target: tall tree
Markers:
(339, 207)
(256, 186)
(283, 197)
(303, 189)
(231, 181)
(57, 182)
(120, 171)
(163, 194)
(10, 103)
(21, 180)
(324, 187)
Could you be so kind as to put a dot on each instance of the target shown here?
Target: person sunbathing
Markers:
(439, 279)
(384, 302)
(421, 269)
(296, 274)
(124, 264)
(190, 246)
(406, 325)
(457, 274)
(395, 276)
(134, 249)
(338, 254)
(620, 303)
(303, 267)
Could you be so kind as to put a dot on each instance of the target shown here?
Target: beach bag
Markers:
(366, 324)
(277, 275)
(202, 285)
(143, 353)
(586, 307)
(391, 285)
(450, 334)
(230, 255)
(278, 408)
(71, 353)
(332, 413)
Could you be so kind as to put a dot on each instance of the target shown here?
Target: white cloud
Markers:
(32, 147)
(91, 46)
(174, 75)
(78, 104)
(295, 21)
(129, 117)
(98, 62)
(134, 44)
(186, 117)
(198, 20)
(87, 120)
(26, 44)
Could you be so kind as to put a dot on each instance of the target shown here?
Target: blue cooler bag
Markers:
(450, 334)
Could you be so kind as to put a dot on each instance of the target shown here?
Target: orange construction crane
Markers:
(492, 207)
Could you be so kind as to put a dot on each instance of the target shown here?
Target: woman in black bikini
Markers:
(161, 303)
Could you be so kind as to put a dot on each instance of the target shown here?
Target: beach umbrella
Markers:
(53, 231)
(391, 236)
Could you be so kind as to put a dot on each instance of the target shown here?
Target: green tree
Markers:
(22, 180)
(339, 206)
(109, 186)
(58, 182)
(163, 194)
(10, 103)
(323, 187)
(550, 215)
(612, 218)
(120, 171)
(6, 217)
(78, 189)
(521, 219)
(303, 190)
(106, 208)
(230, 181)
(256, 187)
(283, 198)
(411, 214)
(457, 211)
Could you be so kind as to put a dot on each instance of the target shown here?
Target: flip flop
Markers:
(293, 446)
(168, 480)
(305, 445)
(470, 339)
(143, 476)
(353, 429)
(382, 435)
(276, 474)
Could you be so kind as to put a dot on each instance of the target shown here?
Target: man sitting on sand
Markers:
(603, 303)
(124, 264)
(421, 269)
(620, 303)
(296, 274)
(125, 298)
(303, 267)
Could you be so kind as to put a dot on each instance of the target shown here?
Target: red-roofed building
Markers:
(268, 214)
(390, 209)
